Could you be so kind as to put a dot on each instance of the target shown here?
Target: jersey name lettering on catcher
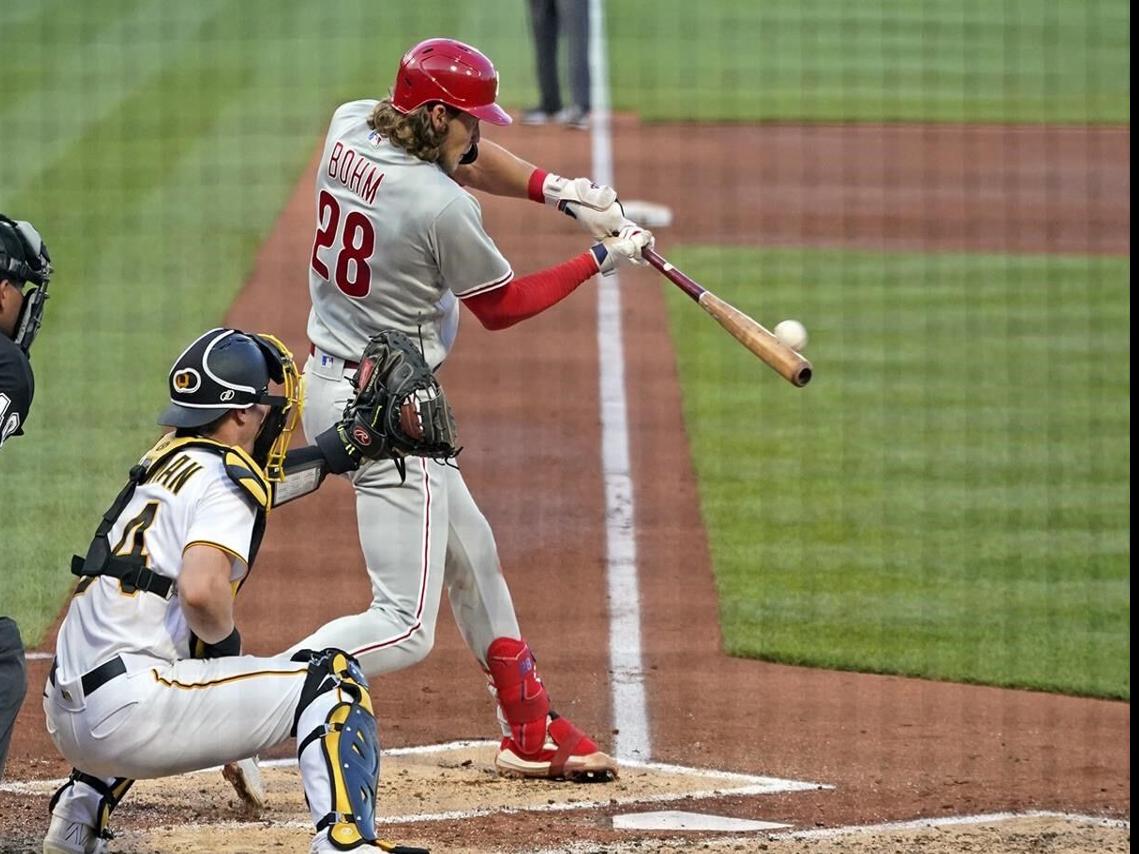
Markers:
(190, 500)
(397, 242)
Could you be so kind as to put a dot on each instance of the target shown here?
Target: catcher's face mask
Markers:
(285, 410)
(24, 258)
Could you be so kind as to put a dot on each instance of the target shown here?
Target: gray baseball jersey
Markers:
(397, 241)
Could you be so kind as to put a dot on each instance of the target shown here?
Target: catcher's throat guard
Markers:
(31, 317)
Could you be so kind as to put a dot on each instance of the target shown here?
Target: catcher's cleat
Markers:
(321, 844)
(245, 777)
(396, 848)
(72, 837)
(568, 754)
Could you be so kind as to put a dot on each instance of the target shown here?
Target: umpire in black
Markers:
(25, 269)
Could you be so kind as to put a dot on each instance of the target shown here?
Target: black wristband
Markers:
(335, 454)
(227, 646)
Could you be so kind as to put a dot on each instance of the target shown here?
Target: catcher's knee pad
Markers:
(337, 710)
(521, 695)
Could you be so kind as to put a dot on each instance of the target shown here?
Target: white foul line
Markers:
(948, 821)
(630, 713)
(638, 845)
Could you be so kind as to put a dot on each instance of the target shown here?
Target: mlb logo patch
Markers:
(325, 360)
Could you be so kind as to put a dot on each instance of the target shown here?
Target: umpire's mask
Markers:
(228, 369)
(24, 259)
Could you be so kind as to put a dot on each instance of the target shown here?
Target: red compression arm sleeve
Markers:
(525, 297)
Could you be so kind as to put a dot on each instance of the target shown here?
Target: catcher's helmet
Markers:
(228, 369)
(24, 259)
(450, 72)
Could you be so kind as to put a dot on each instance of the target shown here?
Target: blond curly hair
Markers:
(413, 132)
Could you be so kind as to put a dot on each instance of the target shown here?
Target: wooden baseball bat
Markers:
(777, 355)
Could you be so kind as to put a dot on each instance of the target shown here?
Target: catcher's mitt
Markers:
(399, 409)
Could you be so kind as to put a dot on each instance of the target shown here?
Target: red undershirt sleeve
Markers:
(529, 295)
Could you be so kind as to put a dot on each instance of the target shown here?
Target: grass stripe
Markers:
(882, 60)
(164, 140)
(950, 496)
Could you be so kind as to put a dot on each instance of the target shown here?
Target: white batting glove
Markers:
(623, 248)
(595, 208)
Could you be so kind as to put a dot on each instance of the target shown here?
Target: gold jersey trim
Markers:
(213, 683)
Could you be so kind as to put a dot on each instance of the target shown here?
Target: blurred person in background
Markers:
(549, 21)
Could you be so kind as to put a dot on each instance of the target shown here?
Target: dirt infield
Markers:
(888, 749)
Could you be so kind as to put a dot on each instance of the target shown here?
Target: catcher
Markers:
(148, 679)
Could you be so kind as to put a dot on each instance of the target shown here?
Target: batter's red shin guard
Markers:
(521, 694)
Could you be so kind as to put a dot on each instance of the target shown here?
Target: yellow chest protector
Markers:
(241, 468)
(132, 572)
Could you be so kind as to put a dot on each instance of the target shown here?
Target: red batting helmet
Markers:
(451, 72)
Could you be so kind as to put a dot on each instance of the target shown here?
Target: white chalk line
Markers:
(944, 821)
(734, 784)
(732, 841)
(630, 708)
(831, 832)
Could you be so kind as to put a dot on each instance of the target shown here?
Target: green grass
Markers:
(872, 60)
(939, 496)
(949, 497)
(154, 143)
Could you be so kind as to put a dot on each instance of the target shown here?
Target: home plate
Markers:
(677, 820)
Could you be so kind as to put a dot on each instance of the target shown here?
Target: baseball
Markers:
(792, 333)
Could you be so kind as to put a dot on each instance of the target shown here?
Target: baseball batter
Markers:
(148, 680)
(399, 244)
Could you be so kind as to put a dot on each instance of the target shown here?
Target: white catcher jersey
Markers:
(397, 241)
(189, 500)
